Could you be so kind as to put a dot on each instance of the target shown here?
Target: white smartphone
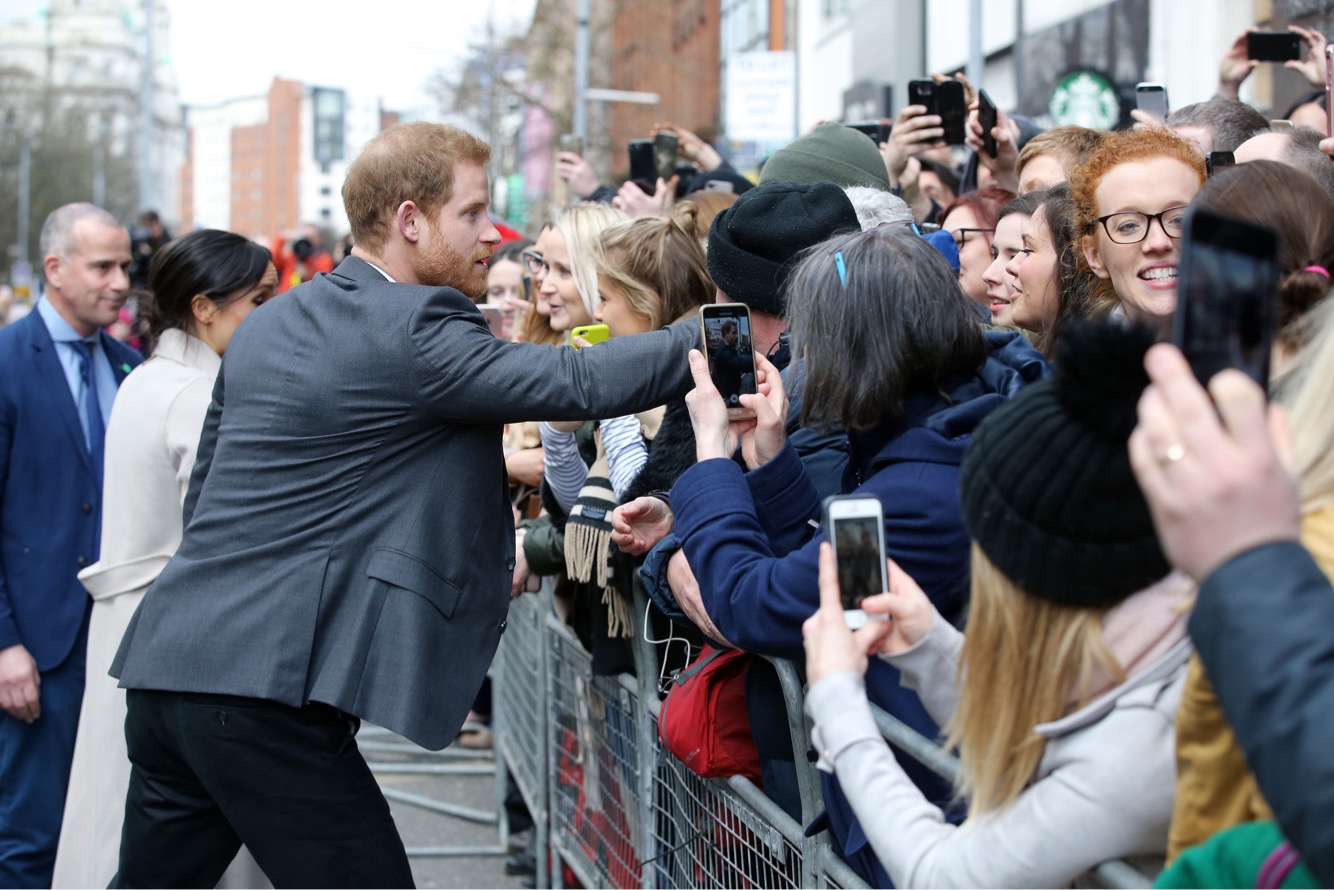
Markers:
(1152, 99)
(855, 526)
(494, 319)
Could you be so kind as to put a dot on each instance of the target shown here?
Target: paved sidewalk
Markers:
(483, 861)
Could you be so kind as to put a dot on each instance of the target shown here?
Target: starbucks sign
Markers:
(1085, 99)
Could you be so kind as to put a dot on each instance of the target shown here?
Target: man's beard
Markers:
(439, 265)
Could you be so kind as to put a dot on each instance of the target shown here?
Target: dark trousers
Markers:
(35, 762)
(210, 772)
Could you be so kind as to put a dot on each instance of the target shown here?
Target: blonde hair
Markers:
(1309, 411)
(1022, 658)
(407, 162)
(582, 227)
(658, 263)
(708, 205)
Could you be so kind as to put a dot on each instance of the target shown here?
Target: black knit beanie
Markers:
(1048, 492)
(752, 243)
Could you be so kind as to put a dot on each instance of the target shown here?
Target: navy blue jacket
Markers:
(50, 501)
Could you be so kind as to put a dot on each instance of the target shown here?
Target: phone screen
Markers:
(953, 111)
(664, 154)
(1227, 295)
(729, 347)
(643, 165)
(859, 563)
(1151, 98)
(1273, 46)
(986, 116)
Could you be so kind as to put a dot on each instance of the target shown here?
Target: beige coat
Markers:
(150, 451)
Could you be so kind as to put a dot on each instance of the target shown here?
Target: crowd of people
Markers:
(311, 505)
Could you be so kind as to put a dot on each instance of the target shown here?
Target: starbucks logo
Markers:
(1085, 99)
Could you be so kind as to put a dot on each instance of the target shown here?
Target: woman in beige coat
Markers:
(203, 285)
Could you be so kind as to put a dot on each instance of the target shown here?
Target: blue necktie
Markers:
(94, 427)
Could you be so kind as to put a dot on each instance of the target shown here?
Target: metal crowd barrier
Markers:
(612, 805)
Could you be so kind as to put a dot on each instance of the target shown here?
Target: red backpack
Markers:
(703, 720)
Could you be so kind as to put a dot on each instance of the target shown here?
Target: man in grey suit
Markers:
(349, 540)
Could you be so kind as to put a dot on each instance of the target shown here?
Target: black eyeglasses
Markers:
(837, 253)
(1132, 227)
(532, 261)
(961, 235)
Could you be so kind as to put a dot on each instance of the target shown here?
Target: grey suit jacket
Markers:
(349, 536)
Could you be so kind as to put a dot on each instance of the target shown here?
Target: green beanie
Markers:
(829, 153)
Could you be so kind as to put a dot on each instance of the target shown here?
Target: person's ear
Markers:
(203, 309)
(51, 270)
(408, 219)
(1089, 243)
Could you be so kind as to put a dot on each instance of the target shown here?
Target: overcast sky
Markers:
(385, 47)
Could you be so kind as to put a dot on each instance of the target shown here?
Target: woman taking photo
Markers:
(1130, 203)
(203, 286)
(1062, 694)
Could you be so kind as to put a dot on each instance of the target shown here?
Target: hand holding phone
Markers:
(855, 526)
(1227, 295)
(729, 347)
(987, 118)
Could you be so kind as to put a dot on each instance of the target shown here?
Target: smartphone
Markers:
(593, 333)
(730, 350)
(493, 317)
(986, 116)
(643, 163)
(855, 526)
(1329, 88)
(1152, 99)
(1217, 160)
(664, 154)
(923, 92)
(1227, 295)
(572, 142)
(952, 106)
(878, 132)
(1273, 46)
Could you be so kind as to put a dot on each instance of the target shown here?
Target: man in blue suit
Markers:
(58, 376)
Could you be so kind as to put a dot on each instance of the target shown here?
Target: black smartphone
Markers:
(1217, 160)
(1151, 98)
(664, 154)
(730, 350)
(923, 92)
(878, 132)
(1273, 46)
(855, 526)
(952, 106)
(986, 116)
(643, 164)
(1227, 295)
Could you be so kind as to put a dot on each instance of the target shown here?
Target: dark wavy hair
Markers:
(901, 326)
(209, 262)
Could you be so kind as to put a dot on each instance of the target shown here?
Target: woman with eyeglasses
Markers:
(971, 221)
(1130, 205)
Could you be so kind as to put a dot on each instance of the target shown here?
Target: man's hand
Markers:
(525, 466)
(1313, 66)
(691, 147)
(1235, 67)
(1002, 166)
(830, 646)
(913, 132)
(682, 581)
(20, 684)
(638, 526)
(577, 173)
(768, 431)
(1211, 471)
(633, 201)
